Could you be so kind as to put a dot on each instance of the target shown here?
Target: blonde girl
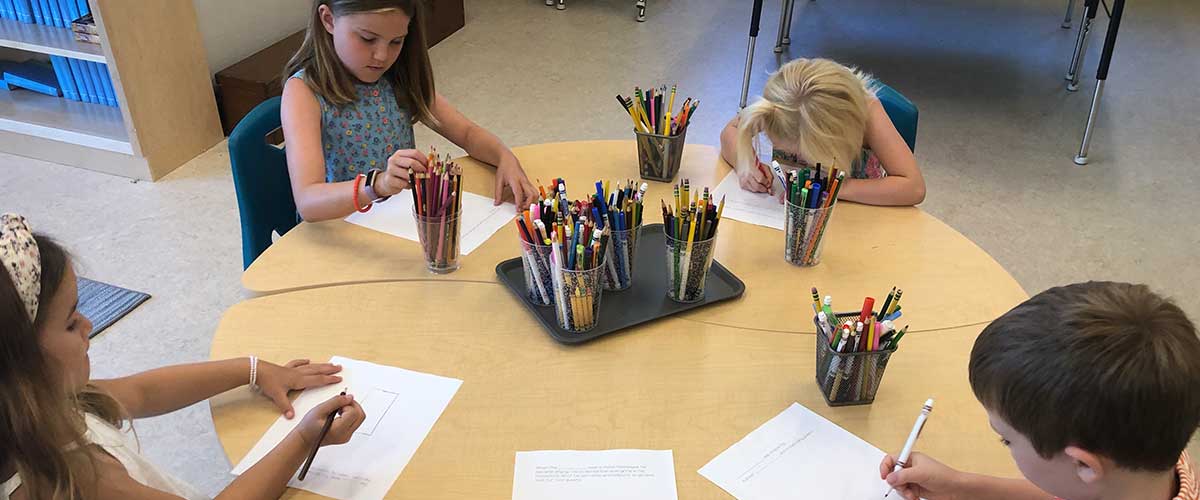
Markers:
(818, 111)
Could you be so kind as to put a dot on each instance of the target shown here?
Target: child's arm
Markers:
(317, 200)
(756, 180)
(486, 147)
(265, 480)
(929, 479)
(904, 184)
(165, 390)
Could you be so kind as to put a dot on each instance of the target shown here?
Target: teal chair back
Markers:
(260, 177)
(902, 112)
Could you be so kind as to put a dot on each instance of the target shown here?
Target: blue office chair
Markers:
(260, 177)
(902, 112)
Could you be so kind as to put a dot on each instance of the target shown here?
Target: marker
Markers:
(828, 307)
(912, 439)
(824, 321)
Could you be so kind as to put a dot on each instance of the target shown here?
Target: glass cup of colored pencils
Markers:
(576, 283)
(437, 206)
(660, 130)
(810, 199)
(690, 228)
(623, 212)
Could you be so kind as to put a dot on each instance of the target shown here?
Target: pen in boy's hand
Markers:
(317, 445)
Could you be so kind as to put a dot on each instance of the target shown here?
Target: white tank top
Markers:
(124, 447)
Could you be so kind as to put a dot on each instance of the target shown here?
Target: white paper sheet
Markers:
(401, 407)
(760, 209)
(799, 455)
(480, 219)
(594, 475)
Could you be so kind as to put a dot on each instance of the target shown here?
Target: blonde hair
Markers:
(818, 105)
(411, 75)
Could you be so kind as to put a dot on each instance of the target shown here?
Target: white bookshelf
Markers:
(155, 58)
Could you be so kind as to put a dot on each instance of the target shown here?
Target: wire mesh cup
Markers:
(687, 268)
(804, 232)
(849, 378)
(659, 155)
(620, 256)
(577, 298)
(440, 236)
(539, 280)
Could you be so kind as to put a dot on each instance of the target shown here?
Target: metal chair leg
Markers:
(787, 30)
(1082, 157)
(783, 13)
(1089, 15)
(755, 17)
(1066, 24)
(641, 8)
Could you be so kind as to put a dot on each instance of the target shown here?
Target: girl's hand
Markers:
(394, 179)
(277, 381)
(510, 174)
(350, 416)
(923, 477)
(756, 180)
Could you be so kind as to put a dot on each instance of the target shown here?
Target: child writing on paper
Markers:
(352, 93)
(66, 437)
(818, 111)
(1093, 387)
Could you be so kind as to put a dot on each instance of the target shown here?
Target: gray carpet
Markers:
(103, 304)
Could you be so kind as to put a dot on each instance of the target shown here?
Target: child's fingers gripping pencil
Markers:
(332, 408)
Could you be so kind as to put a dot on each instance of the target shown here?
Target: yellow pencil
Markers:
(671, 106)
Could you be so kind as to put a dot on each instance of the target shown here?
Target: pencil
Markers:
(317, 445)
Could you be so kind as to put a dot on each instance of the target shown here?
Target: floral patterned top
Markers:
(866, 166)
(360, 136)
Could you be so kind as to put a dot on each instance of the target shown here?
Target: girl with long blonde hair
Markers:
(819, 111)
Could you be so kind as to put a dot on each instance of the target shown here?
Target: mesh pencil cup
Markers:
(577, 298)
(539, 282)
(850, 378)
(620, 256)
(439, 235)
(659, 155)
(804, 232)
(687, 268)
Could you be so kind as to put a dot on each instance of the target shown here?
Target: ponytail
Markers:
(754, 119)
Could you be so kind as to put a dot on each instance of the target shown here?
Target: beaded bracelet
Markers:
(254, 373)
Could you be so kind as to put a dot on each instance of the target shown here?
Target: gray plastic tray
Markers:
(645, 301)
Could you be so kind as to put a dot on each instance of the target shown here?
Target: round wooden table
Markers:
(947, 280)
(694, 387)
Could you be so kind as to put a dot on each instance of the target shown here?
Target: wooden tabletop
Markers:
(691, 387)
(948, 281)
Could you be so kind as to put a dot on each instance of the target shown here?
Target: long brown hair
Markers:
(411, 75)
(38, 421)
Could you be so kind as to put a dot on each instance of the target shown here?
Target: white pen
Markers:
(912, 439)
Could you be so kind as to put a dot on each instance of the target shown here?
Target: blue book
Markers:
(34, 76)
(24, 11)
(104, 92)
(84, 9)
(4, 67)
(81, 80)
(65, 80)
(37, 12)
(7, 10)
(56, 17)
(70, 10)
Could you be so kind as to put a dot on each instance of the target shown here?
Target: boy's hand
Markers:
(277, 381)
(350, 416)
(756, 180)
(924, 477)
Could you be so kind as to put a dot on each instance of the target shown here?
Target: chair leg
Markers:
(1089, 15)
(1066, 24)
(641, 8)
(746, 76)
(1082, 157)
(787, 31)
(782, 26)
(1110, 42)
(562, 5)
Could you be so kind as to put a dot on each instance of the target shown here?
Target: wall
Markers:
(234, 29)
